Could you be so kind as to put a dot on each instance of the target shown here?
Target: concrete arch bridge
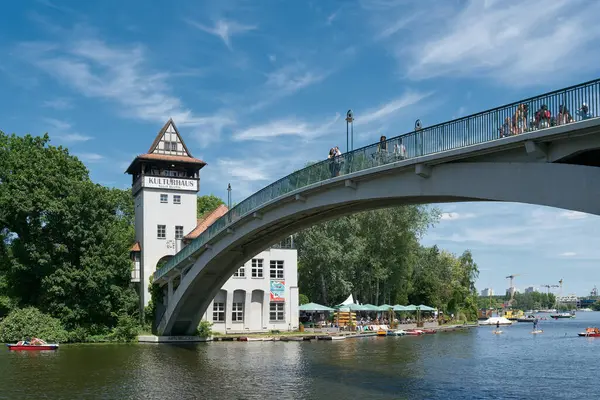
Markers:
(511, 153)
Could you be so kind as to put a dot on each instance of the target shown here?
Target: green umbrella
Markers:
(314, 307)
(426, 308)
(384, 307)
(398, 307)
(352, 307)
(370, 307)
(411, 307)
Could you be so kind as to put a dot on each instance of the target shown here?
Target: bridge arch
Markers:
(572, 187)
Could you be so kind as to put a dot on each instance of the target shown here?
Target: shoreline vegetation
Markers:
(65, 269)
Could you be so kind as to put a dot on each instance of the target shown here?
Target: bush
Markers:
(204, 330)
(26, 323)
(127, 329)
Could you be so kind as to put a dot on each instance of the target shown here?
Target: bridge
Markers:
(510, 154)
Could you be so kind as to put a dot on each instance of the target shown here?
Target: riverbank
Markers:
(310, 334)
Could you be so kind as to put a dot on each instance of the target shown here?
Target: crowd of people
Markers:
(542, 118)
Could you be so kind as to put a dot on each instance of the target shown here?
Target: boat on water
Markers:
(34, 344)
(382, 332)
(496, 321)
(529, 318)
(538, 331)
(397, 332)
(415, 332)
(563, 315)
(590, 332)
(586, 309)
(429, 331)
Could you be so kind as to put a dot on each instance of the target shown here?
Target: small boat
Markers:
(397, 332)
(382, 332)
(590, 332)
(35, 344)
(414, 332)
(537, 332)
(563, 315)
(497, 332)
(529, 318)
(429, 331)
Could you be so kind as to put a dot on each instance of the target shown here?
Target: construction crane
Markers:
(512, 277)
(549, 286)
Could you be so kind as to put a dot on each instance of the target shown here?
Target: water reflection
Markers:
(459, 365)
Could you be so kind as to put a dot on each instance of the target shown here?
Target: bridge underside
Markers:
(573, 187)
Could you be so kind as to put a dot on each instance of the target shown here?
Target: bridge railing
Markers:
(513, 119)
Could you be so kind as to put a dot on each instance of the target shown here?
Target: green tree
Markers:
(28, 323)
(207, 203)
(66, 239)
(303, 299)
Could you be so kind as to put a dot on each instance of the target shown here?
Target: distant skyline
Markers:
(257, 89)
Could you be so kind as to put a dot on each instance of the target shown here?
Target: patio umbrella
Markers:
(411, 307)
(426, 308)
(384, 307)
(398, 307)
(370, 307)
(314, 307)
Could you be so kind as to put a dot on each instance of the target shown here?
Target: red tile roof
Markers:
(206, 221)
(136, 247)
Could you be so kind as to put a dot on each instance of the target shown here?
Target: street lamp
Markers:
(229, 195)
(349, 130)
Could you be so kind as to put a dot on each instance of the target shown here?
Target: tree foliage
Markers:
(376, 256)
(65, 240)
(30, 322)
(207, 203)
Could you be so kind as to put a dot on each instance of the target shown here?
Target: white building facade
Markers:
(487, 292)
(531, 289)
(262, 295)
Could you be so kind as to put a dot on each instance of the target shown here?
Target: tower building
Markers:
(165, 183)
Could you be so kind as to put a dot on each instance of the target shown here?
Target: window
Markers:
(170, 146)
(178, 232)
(218, 312)
(161, 231)
(277, 312)
(276, 269)
(257, 268)
(164, 198)
(176, 199)
(240, 273)
(237, 312)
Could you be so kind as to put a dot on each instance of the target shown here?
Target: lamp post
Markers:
(229, 195)
(349, 131)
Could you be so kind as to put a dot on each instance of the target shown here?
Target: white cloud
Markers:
(224, 29)
(568, 254)
(59, 103)
(486, 38)
(62, 132)
(292, 78)
(389, 108)
(333, 16)
(451, 216)
(286, 127)
(573, 215)
(272, 57)
(119, 75)
(90, 157)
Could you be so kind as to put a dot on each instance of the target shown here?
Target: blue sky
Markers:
(257, 88)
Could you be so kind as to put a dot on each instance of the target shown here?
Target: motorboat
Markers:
(590, 332)
(529, 318)
(414, 332)
(429, 331)
(563, 315)
(34, 345)
(382, 332)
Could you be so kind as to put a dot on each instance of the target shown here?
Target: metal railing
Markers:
(512, 119)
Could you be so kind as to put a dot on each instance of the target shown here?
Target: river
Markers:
(475, 364)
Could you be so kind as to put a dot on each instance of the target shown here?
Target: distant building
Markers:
(487, 292)
(531, 289)
(511, 291)
(569, 299)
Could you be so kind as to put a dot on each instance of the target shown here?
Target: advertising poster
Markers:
(277, 290)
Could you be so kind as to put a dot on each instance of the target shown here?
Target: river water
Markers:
(475, 364)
